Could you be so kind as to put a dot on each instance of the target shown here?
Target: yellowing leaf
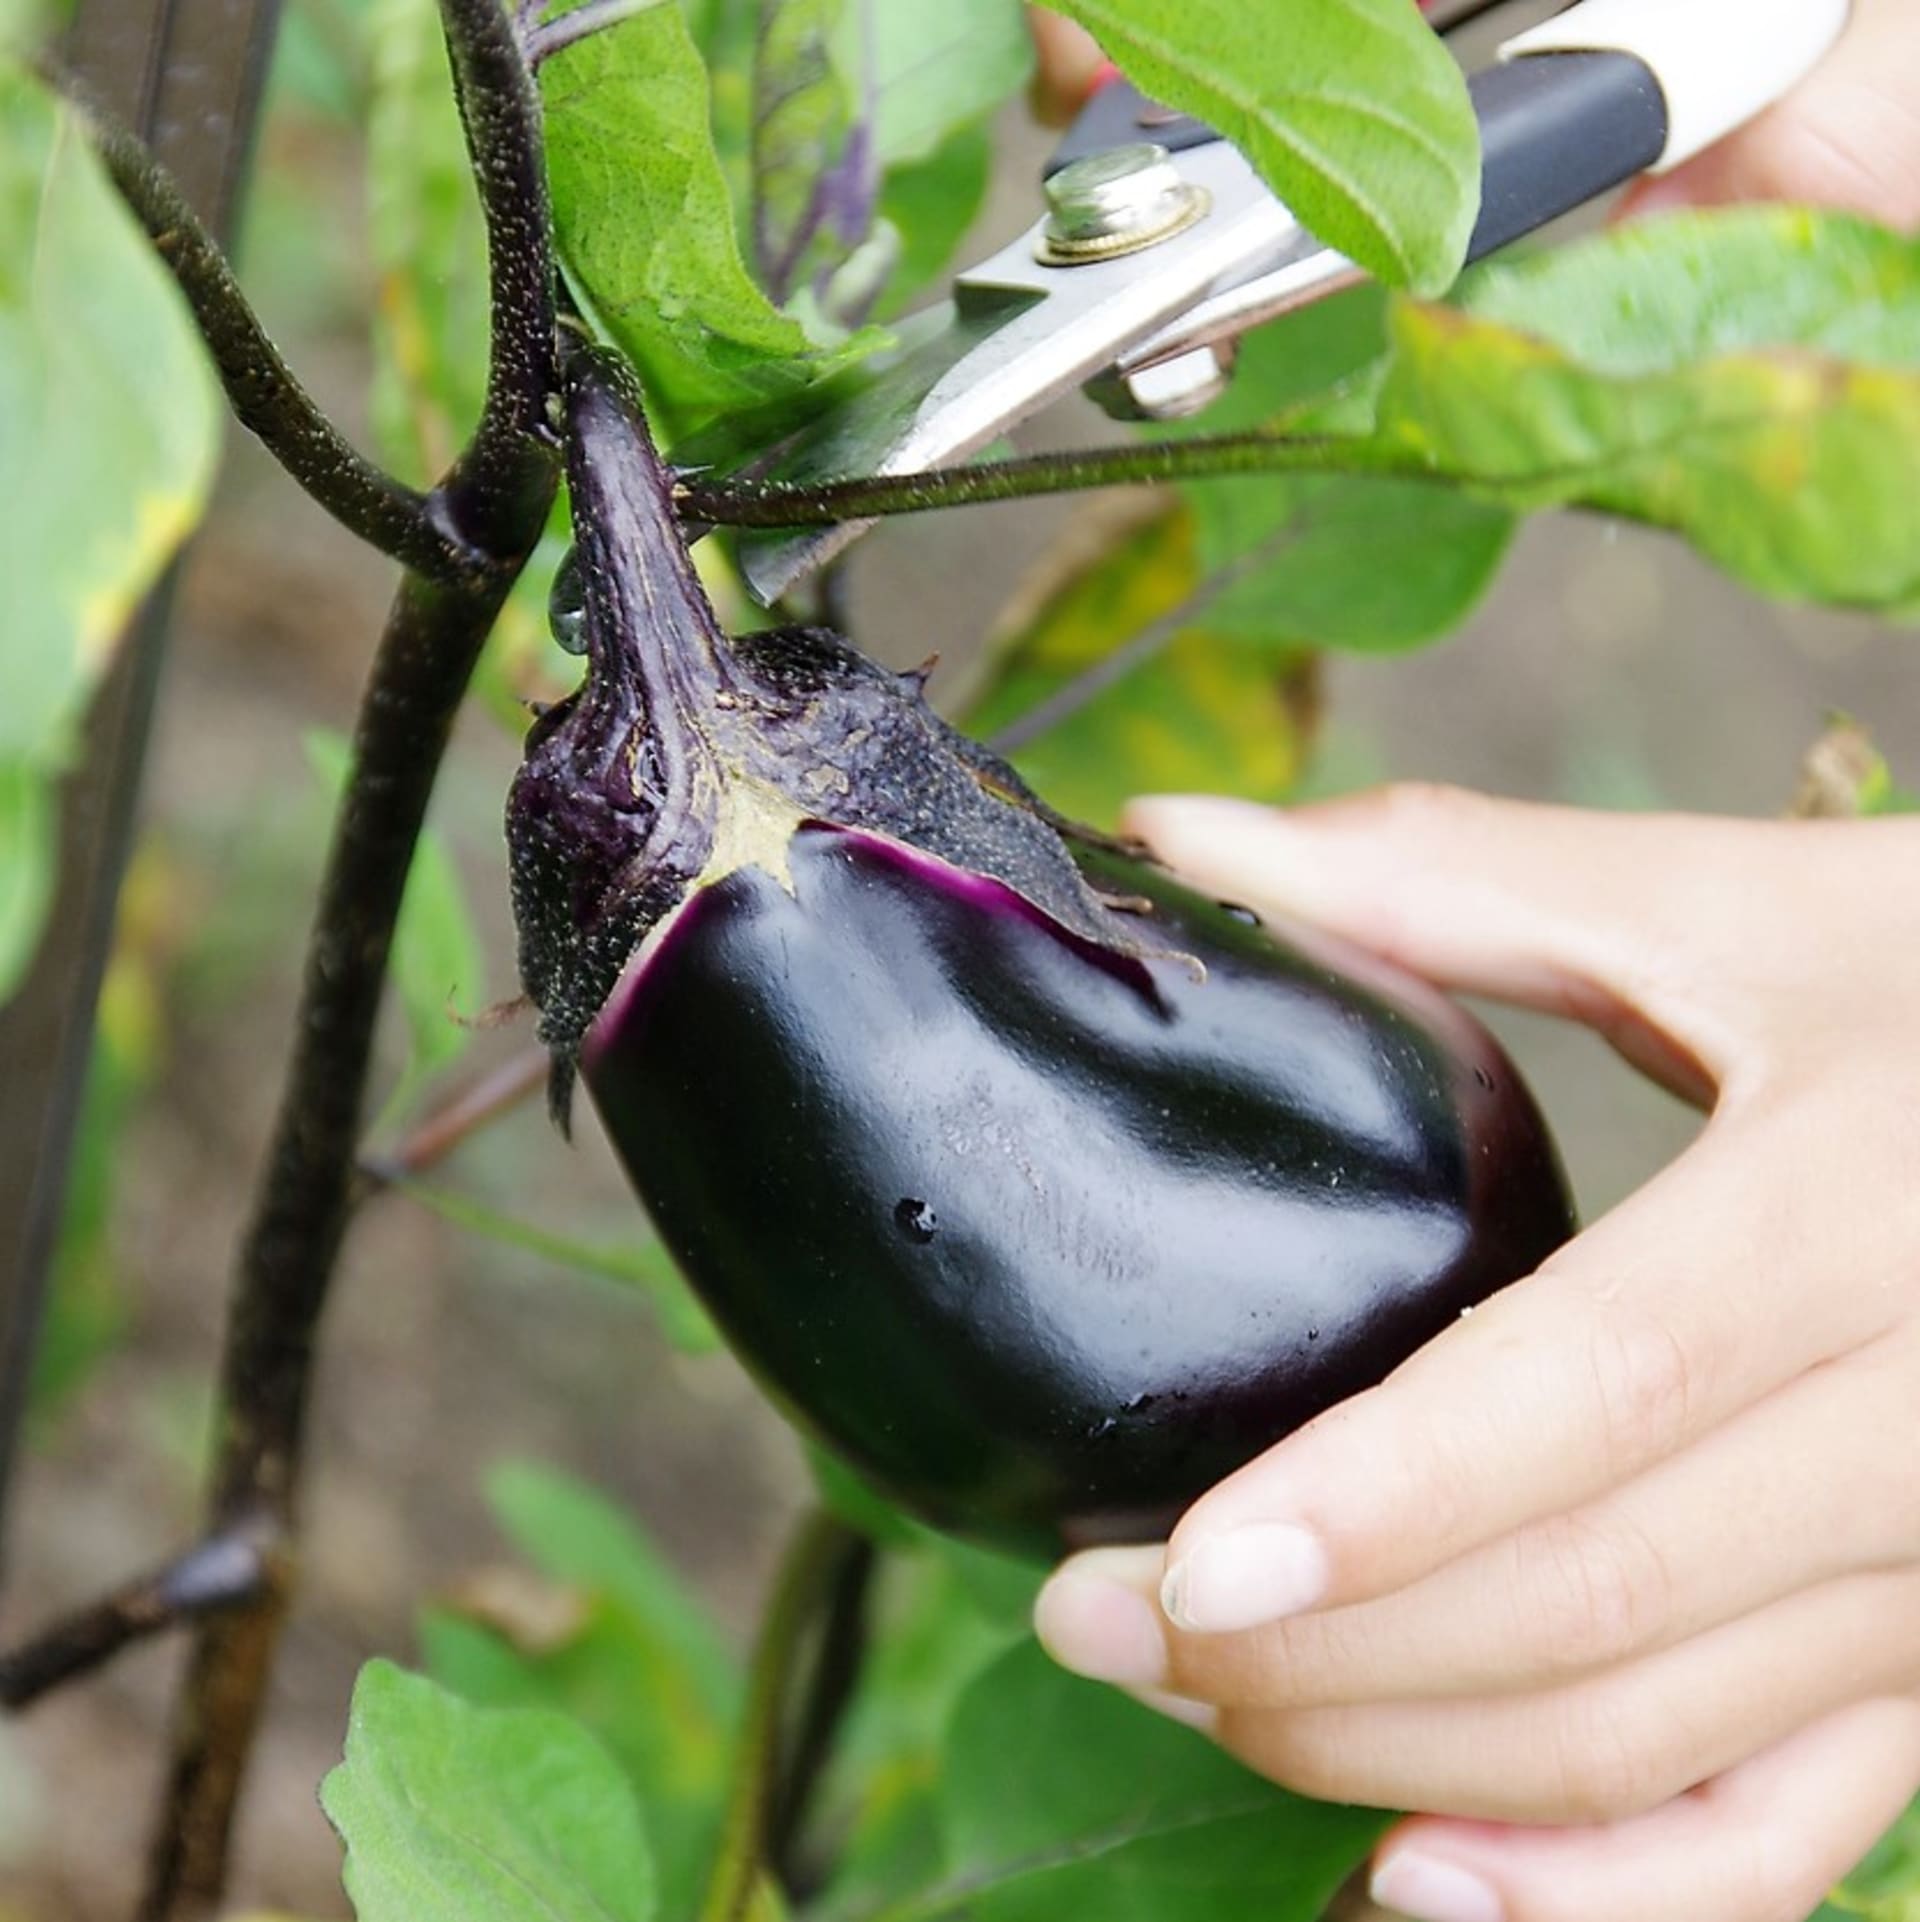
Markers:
(109, 429)
(1195, 710)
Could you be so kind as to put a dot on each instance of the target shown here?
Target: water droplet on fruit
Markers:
(1244, 915)
(915, 1220)
(567, 606)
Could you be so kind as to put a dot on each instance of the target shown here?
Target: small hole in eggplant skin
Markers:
(1234, 911)
(916, 1220)
(1485, 1078)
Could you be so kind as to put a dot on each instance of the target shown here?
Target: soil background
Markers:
(1607, 667)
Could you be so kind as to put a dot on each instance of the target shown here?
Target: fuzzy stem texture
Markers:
(266, 396)
(822, 504)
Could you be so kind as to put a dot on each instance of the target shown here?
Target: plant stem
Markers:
(496, 498)
(821, 504)
(225, 1571)
(267, 398)
(473, 1108)
(830, 1693)
(815, 1569)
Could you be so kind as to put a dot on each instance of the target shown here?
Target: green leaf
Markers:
(438, 964)
(575, 1535)
(429, 249)
(636, 1661)
(1573, 379)
(1352, 111)
(451, 1813)
(930, 204)
(645, 225)
(807, 186)
(1371, 566)
(931, 70)
(109, 429)
(1061, 1797)
(644, 1266)
(1349, 562)
(1194, 710)
(1886, 1886)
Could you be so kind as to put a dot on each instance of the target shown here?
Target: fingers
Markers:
(1611, 920)
(1068, 63)
(1848, 137)
(1679, 938)
(1612, 1746)
(1647, 1566)
(1704, 1292)
(1761, 1843)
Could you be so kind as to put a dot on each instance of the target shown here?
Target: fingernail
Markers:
(1434, 1891)
(1245, 1577)
(1178, 1708)
(1101, 1630)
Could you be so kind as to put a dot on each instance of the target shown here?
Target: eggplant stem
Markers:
(743, 503)
(497, 495)
(826, 1562)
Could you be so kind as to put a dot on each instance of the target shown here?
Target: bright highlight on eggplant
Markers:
(1043, 1189)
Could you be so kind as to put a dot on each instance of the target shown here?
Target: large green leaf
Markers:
(1342, 561)
(452, 1813)
(109, 428)
(1352, 110)
(930, 70)
(645, 223)
(635, 1659)
(1060, 1797)
(1193, 710)
(1749, 379)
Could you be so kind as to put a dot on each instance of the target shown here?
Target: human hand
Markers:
(1632, 1554)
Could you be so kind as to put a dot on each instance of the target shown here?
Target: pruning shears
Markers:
(1160, 245)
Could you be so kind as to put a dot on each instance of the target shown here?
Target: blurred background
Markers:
(1606, 667)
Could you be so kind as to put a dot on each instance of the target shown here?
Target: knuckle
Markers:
(1600, 1593)
(1425, 807)
(1598, 1769)
(1647, 1387)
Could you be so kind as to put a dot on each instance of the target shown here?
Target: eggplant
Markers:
(1042, 1189)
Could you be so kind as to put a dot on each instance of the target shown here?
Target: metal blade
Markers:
(1023, 332)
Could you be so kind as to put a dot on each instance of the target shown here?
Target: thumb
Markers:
(1631, 924)
(1847, 137)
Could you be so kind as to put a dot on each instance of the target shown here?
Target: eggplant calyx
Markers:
(685, 755)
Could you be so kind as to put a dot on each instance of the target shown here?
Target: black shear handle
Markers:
(1556, 131)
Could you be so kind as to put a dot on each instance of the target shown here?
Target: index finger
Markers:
(1697, 1297)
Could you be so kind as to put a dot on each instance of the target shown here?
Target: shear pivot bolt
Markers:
(1115, 203)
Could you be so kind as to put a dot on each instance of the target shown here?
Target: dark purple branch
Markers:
(267, 398)
(497, 498)
(225, 1571)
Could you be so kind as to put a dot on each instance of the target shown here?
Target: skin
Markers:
(1618, 1581)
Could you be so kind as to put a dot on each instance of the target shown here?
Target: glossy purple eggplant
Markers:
(1044, 1190)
